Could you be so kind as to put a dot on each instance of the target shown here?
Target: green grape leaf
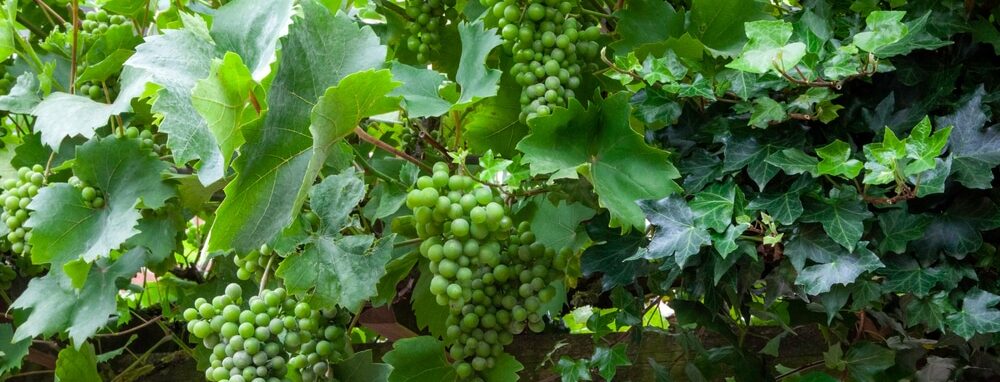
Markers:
(842, 216)
(504, 370)
(676, 234)
(768, 49)
(429, 314)
(109, 66)
(835, 159)
(338, 271)
(261, 199)
(221, 100)
(23, 97)
(77, 365)
(865, 360)
(251, 29)
(900, 228)
(65, 229)
(622, 166)
(573, 370)
(607, 360)
(979, 315)
(334, 199)
(883, 28)
(55, 306)
(975, 150)
(558, 225)
(719, 24)
(843, 269)
(11, 352)
(419, 359)
(361, 368)
(765, 112)
(420, 91)
(714, 205)
(793, 161)
(176, 61)
(645, 22)
(475, 79)
(494, 123)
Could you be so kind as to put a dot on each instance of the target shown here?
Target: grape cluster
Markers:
(493, 276)
(17, 194)
(429, 18)
(7, 83)
(410, 140)
(271, 337)
(254, 263)
(91, 196)
(145, 137)
(549, 46)
(96, 23)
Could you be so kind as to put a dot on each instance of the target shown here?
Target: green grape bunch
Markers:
(492, 275)
(270, 337)
(96, 23)
(254, 264)
(17, 194)
(550, 47)
(428, 20)
(92, 198)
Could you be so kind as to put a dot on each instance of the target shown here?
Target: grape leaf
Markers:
(719, 24)
(645, 22)
(11, 352)
(975, 150)
(557, 225)
(865, 360)
(493, 123)
(768, 49)
(334, 199)
(420, 91)
(271, 170)
(504, 370)
(676, 234)
(77, 365)
(56, 306)
(622, 166)
(475, 79)
(65, 229)
(842, 216)
(419, 359)
(251, 29)
(176, 60)
(23, 97)
(844, 269)
(221, 100)
(360, 368)
(429, 314)
(338, 271)
(979, 315)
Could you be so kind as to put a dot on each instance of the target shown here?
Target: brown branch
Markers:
(604, 57)
(385, 146)
(50, 11)
(431, 141)
(132, 329)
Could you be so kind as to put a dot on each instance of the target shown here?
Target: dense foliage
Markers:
(282, 190)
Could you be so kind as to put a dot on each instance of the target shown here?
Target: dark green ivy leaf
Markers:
(979, 315)
(844, 270)
(975, 149)
(676, 234)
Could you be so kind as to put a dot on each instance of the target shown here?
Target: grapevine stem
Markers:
(374, 171)
(433, 142)
(405, 243)
(385, 146)
(594, 13)
(263, 279)
(145, 355)
(49, 11)
(132, 329)
(394, 8)
(76, 39)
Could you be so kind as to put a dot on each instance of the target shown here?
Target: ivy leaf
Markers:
(622, 166)
(55, 306)
(768, 48)
(361, 368)
(610, 256)
(836, 160)
(719, 23)
(700, 169)
(420, 91)
(12, 352)
(975, 150)
(676, 234)
(557, 225)
(978, 315)
(865, 360)
(923, 147)
(338, 271)
(419, 359)
(221, 100)
(725, 242)
(666, 69)
(917, 37)
(766, 111)
(883, 28)
(750, 153)
(65, 229)
(573, 370)
(714, 205)
(793, 161)
(899, 228)
(475, 79)
(176, 61)
(271, 170)
(77, 364)
(905, 275)
(251, 29)
(784, 207)
(607, 360)
(884, 159)
(930, 311)
(844, 269)
(810, 243)
(842, 216)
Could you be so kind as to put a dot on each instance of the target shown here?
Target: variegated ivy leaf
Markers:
(768, 48)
